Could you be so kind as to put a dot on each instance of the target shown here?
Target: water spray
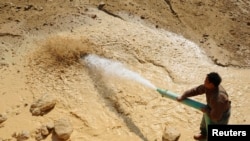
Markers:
(113, 68)
(109, 67)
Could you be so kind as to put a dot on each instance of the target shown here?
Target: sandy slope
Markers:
(41, 45)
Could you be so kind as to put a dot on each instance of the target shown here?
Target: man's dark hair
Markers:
(214, 78)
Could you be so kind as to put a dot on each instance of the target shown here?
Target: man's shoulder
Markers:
(222, 91)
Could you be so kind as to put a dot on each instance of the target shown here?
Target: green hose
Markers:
(187, 101)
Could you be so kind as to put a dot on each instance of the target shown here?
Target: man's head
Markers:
(212, 80)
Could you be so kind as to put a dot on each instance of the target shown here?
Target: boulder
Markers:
(170, 134)
(43, 105)
(63, 129)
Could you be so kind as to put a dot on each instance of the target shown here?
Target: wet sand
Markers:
(40, 50)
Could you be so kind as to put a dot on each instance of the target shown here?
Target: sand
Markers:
(171, 45)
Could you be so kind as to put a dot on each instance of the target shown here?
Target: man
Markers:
(218, 104)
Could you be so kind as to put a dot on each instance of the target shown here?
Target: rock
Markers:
(63, 129)
(39, 136)
(3, 117)
(24, 135)
(101, 5)
(43, 105)
(28, 7)
(44, 131)
(50, 125)
(170, 134)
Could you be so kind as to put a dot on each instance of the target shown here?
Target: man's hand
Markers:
(205, 110)
(180, 98)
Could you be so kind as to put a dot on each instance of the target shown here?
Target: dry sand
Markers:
(172, 44)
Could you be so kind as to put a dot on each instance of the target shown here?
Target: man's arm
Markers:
(192, 92)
